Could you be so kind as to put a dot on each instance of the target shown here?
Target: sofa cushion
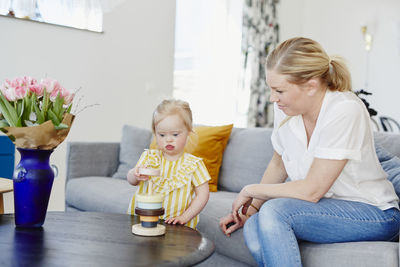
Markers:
(219, 205)
(134, 141)
(313, 255)
(350, 254)
(251, 147)
(100, 194)
(217, 259)
(208, 143)
(246, 157)
(337, 254)
(391, 165)
(389, 141)
(210, 146)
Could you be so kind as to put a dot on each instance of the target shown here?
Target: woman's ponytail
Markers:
(338, 78)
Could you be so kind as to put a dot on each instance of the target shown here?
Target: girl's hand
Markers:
(242, 200)
(138, 176)
(134, 177)
(176, 220)
(228, 224)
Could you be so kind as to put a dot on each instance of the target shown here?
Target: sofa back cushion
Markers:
(388, 152)
(246, 157)
(208, 143)
(249, 151)
(134, 141)
(391, 165)
(389, 141)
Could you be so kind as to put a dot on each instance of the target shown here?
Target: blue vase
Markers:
(33, 180)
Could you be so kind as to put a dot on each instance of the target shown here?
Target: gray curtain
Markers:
(260, 36)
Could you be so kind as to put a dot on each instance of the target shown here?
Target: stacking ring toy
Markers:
(149, 171)
(149, 208)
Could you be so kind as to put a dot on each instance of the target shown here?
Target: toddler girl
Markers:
(183, 178)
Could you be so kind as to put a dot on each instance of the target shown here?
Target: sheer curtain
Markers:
(81, 14)
(208, 60)
(5, 6)
(24, 8)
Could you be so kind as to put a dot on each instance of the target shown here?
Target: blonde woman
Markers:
(337, 190)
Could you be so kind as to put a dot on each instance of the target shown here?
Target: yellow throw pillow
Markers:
(208, 143)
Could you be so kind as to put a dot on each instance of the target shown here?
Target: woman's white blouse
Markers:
(343, 131)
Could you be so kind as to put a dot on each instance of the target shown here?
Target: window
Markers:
(208, 62)
(80, 14)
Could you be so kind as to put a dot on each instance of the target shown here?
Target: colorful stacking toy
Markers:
(149, 208)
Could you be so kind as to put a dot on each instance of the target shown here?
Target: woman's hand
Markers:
(228, 224)
(242, 200)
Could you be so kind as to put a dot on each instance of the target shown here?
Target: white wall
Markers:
(337, 26)
(127, 69)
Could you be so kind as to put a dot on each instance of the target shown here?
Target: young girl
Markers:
(183, 178)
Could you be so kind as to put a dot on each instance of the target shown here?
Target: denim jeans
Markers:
(273, 233)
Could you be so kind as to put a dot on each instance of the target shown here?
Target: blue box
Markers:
(7, 153)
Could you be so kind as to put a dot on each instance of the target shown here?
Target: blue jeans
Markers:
(272, 234)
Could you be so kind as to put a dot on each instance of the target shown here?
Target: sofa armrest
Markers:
(91, 159)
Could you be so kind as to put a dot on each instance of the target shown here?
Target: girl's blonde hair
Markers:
(171, 107)
(302, 59)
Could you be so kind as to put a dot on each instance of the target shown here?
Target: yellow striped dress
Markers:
(176, 182)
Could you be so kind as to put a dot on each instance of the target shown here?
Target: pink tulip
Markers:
(49, 85)
(52, 87)
(64, 93)
(37, 89)
(10, 95)
(9, 90)
(19, 87)
(33, 86)
(68, 96)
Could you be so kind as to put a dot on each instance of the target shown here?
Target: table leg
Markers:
(1, 204)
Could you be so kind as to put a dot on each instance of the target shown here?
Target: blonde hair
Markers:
(302, 59)
(171, 107)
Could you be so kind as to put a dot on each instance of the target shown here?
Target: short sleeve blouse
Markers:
(343, 131)
(176, 182)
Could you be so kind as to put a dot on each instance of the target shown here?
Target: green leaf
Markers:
(39, 115)
(69, 109)
(8, 111)
(33, 102)
(19, 122)
(20, 112)
(4, 123)
(53, 117)
(27, 108)
(46, 100)
(43, 115)
(61, 126)
(4, 110)
(58, 105)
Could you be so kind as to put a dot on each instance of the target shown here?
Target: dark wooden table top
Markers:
(97, 239)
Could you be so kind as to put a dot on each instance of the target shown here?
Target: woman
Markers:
(336, 189)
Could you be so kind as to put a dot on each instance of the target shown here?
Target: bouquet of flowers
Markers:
(35, 114)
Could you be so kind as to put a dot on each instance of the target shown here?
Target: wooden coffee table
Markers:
(97, 239)
(6, 185)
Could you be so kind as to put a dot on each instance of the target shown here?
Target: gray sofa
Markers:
(95, 182)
